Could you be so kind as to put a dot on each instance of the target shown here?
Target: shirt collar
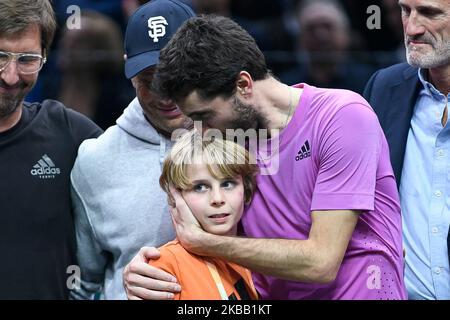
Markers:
(430, 89)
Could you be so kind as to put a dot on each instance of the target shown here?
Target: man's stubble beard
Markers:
(10, 103)
(247, 117)
(437, 57)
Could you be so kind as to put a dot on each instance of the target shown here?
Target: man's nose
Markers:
(10, 74)
(413, 25)
(167, 102)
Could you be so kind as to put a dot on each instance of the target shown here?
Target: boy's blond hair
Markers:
(223, 158)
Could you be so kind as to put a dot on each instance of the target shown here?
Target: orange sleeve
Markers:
(168, 263)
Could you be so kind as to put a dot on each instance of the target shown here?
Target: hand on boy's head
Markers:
(188, 229)
(181, 213)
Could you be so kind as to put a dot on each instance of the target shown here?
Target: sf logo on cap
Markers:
(157, 27)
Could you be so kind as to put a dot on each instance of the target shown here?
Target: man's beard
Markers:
(246, 117)
(437, 57)
(188, 124)
(9, 103)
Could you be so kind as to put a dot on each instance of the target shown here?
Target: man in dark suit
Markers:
(411, 102)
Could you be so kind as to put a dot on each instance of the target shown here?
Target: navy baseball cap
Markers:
(149, 29)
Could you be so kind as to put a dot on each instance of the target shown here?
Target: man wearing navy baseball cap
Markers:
(148, 31)
(118, 204)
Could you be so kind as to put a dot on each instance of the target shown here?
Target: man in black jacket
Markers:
(38, 146)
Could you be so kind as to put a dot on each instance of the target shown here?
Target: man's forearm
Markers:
(297, 260)
(316, 259)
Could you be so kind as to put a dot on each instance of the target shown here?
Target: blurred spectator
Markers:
(380, 47)
(130, 6)
(90, 61)
(110, 8)
(274, 25)
(219, 7)
(323, 49)
(371, 39)
(47, 87)
(393, 14)
(268, 22)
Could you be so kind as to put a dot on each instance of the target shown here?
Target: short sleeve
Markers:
(82, 127)
(168, 263)
(348, 156)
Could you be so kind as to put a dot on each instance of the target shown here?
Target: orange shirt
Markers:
(195, 278)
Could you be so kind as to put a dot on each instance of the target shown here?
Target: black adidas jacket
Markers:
(37, 240)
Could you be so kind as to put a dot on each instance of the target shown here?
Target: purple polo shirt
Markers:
(332, 156)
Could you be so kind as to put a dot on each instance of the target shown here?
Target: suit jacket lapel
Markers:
(403, 96)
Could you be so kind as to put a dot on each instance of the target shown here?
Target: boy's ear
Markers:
(171, 200)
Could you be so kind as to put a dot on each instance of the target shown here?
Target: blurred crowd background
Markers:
(325, 43)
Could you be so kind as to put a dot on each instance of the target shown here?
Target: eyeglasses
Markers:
(27, 63)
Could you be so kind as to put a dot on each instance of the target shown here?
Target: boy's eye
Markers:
(201, 187)
(228, 184)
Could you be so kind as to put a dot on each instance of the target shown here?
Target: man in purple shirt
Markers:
(325, 221)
